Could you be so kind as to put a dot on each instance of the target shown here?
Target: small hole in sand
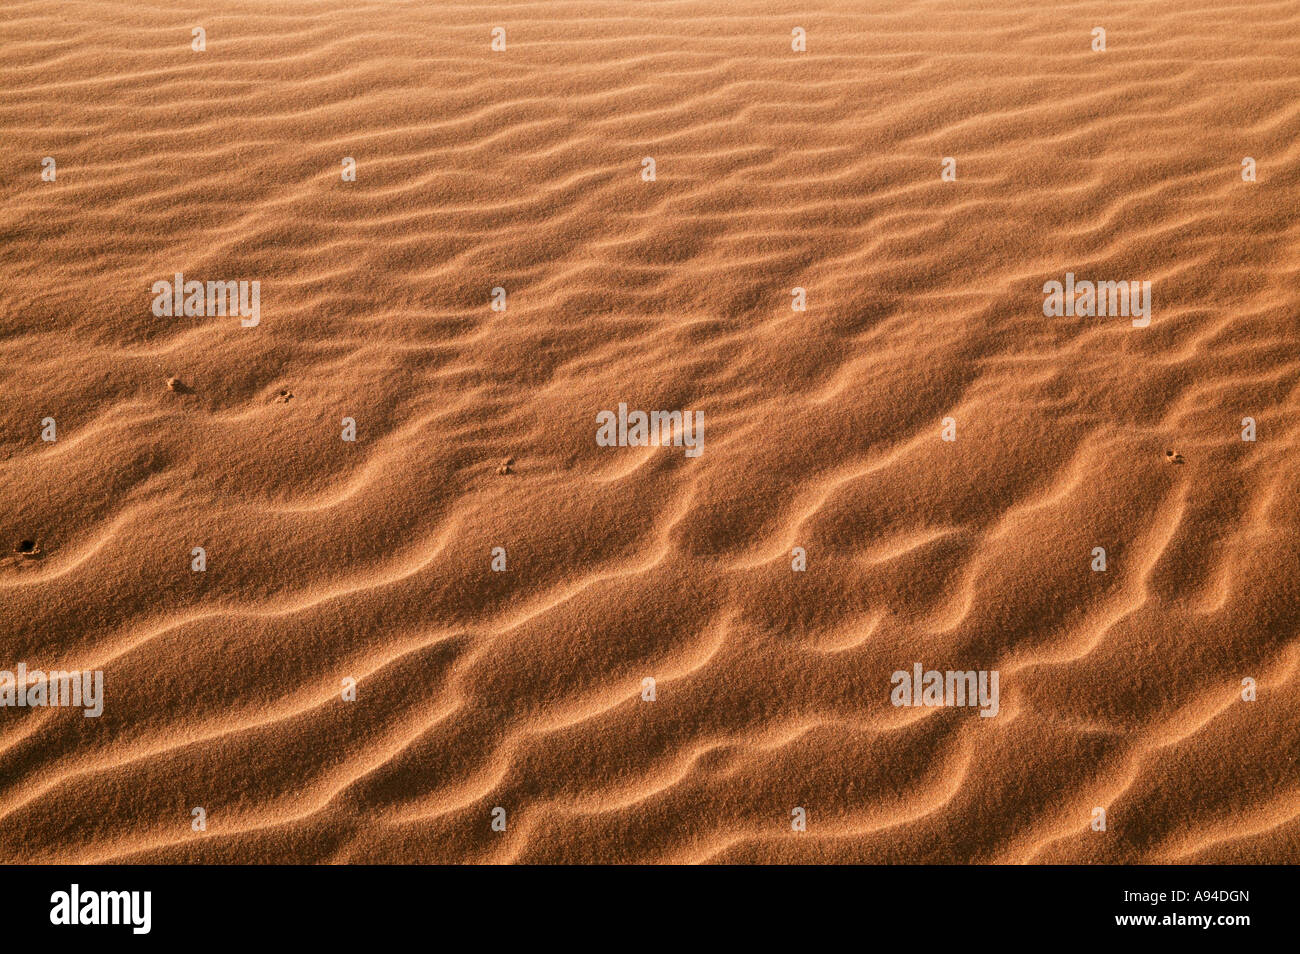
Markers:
(26, 546)
(1169, 453)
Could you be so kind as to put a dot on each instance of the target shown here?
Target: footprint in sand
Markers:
(284, 397)
(507, 467)
(1174, 457)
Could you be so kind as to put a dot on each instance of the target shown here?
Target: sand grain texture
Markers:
(521, 689)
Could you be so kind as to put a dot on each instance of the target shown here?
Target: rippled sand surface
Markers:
(822, 430)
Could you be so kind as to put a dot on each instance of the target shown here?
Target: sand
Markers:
(369, 563)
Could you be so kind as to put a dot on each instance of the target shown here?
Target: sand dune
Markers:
(823, 432)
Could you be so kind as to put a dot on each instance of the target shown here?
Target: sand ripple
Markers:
(522, 689)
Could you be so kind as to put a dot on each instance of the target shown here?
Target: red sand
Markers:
(522, 689)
